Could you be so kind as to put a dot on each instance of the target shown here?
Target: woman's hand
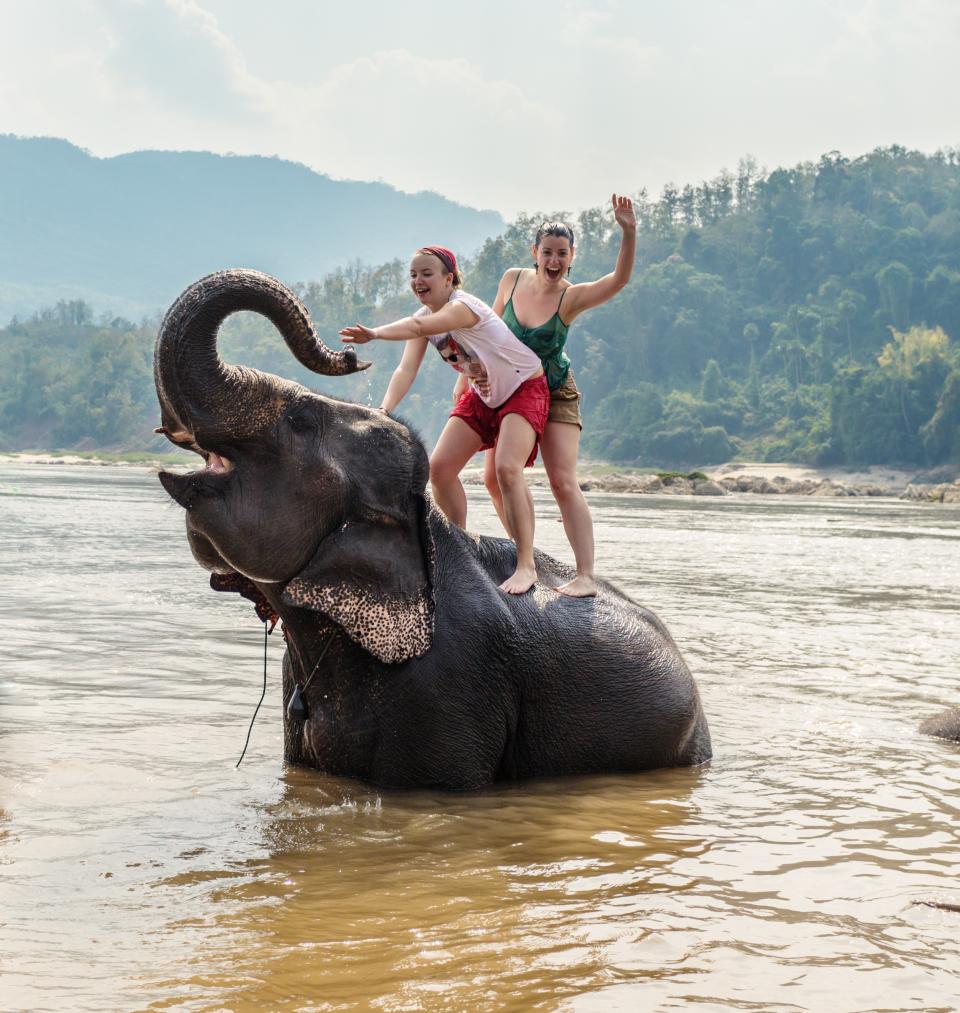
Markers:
(476, 372)
(357, 335)
(623, 212)
(459, 387)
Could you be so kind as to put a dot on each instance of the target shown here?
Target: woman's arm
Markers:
(404, 374)
(454, 316)
(459, 387)
(589, 294)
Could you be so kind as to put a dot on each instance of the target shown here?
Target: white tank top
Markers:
(489, 346)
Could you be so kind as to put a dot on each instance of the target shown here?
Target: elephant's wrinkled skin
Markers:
(945, 725)
(431, 676)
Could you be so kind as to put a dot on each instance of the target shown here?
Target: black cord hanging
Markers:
(297, 706)
(266, 632)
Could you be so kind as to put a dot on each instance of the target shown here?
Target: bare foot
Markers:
(524, 577)
(579, 587)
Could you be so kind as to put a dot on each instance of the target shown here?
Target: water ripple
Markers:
(783, 876)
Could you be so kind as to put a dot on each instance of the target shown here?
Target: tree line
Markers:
(809, 314)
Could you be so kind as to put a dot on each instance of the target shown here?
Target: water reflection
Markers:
(468, 895)
(141, 870)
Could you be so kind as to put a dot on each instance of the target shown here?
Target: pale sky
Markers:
(505, 104)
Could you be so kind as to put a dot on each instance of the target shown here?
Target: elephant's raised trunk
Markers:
(198, 392)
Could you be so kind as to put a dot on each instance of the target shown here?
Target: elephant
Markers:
(945, 725)
(405, 666)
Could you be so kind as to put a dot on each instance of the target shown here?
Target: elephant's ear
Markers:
(374, 579)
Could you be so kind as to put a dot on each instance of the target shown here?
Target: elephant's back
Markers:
(596, 683)
(608, 689)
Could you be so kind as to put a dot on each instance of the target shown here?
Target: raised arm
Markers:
(592, 293)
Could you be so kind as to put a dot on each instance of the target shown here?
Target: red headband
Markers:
(447, 257)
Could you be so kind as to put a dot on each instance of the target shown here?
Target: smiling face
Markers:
(430, 281)
(553, 257)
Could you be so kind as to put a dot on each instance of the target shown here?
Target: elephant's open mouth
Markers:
(210, 480)
(216, 464)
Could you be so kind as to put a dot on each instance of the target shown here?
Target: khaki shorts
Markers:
(565, 403)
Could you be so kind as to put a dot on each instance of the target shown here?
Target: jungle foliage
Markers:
(809, 314)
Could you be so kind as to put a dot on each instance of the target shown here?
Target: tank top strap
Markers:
(559, 304)
(516, 281)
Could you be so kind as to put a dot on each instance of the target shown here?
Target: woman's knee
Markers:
(443, 469)
(508, 475)
(491, 482)
(565, 488)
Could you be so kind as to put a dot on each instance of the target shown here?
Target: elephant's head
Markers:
(324, 499)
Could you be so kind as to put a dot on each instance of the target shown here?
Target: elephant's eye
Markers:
(301, 423)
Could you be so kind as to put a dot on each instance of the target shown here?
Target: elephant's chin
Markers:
(205, 553)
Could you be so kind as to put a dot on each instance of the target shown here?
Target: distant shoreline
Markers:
(720, 480)
(133, 459)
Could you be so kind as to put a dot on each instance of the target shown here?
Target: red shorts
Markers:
(531, 401)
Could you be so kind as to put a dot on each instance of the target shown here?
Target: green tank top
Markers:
(547, 340)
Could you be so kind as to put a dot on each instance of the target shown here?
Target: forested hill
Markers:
(808, 314)
(129, 233)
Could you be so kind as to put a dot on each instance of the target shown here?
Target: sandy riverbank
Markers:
(128, 460)
(720, 480)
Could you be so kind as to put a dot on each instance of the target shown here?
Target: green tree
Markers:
(711, 382)
(941, 434)
(895, 283)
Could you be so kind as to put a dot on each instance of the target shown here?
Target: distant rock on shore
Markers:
(763, 479)
(942, 492)
(688, 485)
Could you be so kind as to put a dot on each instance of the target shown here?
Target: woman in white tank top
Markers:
(505, 406)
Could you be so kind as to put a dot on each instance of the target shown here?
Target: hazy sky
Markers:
(507, 104)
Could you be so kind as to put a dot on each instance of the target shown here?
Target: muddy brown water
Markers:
(140, 870)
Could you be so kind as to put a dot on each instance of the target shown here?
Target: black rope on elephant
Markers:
(266, 633)
(296, 704)
(297, 707)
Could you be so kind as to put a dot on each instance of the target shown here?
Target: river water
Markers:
(140, 870)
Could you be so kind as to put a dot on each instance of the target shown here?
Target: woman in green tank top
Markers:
(544, 293)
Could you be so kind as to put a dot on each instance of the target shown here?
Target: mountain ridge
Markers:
(127, 233)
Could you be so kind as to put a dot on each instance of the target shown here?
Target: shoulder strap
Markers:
(516, 282)
(556, 316)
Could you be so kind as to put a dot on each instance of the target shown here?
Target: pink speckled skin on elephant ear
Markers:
(374, 578)
(392, 629)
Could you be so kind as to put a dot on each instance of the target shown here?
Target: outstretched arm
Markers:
(589, 294)
(454, 316)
